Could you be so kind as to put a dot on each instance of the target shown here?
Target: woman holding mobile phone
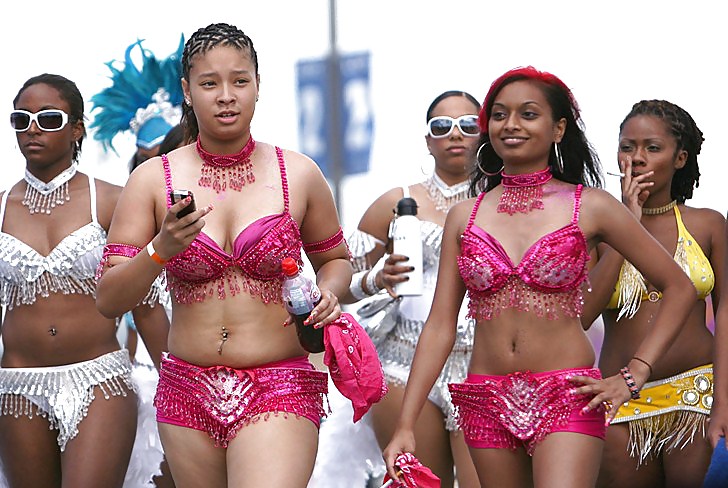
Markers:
(238, 401)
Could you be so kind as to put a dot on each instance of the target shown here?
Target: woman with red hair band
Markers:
(659, 439)
(531, 407)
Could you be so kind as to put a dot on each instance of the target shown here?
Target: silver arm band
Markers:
(356, 285)
(371, 283)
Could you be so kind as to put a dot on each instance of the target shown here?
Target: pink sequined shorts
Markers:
(521, 409)
(221, 400)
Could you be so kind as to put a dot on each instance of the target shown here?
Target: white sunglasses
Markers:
(442, 126)
(50, 120)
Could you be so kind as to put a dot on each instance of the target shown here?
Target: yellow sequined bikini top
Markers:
(631, 288)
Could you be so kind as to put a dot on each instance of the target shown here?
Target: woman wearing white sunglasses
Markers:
(68, 407)
(451, 138)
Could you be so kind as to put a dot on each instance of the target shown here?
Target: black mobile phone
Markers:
(177, 195)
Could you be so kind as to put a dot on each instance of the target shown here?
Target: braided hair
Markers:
(201, 42)
(69, 92)
(688, 136)
(581, 163)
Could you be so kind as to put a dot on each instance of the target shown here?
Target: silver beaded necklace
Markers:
(41, 197)
(443, 195)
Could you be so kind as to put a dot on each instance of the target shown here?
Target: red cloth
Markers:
(413, 474)
(354, 364)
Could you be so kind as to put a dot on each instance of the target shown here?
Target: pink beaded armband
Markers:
(325, 245)
(125, 250)
(634, 390)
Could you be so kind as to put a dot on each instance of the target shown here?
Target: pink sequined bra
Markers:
(549, 277)
(254, 265)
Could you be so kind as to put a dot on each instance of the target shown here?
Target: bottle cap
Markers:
(407, 206)
(289, 267)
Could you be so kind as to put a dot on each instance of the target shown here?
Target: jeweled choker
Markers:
(659, 210)
(443, 195)
(41, 197)
(523, 193)
(221, 171)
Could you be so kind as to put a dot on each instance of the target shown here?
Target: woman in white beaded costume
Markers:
(452, 137)
(68, 404)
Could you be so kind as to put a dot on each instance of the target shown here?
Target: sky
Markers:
(611, 54)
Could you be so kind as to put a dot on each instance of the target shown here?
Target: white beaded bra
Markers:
(25, 274)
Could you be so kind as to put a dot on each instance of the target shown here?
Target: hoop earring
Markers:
(559, 159)
(477, 161)
(422, 170)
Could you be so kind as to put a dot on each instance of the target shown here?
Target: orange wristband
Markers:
(153, 254)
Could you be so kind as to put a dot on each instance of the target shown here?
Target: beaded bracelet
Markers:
(356, 289)
(634, 390)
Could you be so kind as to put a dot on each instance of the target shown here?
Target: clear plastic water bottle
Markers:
(407, 237)
(300, 296)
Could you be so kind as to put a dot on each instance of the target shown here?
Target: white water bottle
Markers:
(407, 238)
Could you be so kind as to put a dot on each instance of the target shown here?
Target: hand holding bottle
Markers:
(309, 307)
(407, 242)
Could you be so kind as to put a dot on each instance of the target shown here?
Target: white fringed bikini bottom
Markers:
(62, 394)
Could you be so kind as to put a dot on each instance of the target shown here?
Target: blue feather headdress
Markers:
(145, 101)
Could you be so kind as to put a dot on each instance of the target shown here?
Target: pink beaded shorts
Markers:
(521, 409)
(221, 400)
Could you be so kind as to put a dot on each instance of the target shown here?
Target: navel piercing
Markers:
(52, 331)
(224, 334)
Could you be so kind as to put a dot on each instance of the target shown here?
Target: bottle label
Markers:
(298, 302)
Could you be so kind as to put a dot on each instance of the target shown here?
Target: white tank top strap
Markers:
(405, 192)
(3, 204)
(92, 193)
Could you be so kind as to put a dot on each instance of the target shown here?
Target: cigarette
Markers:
(391, 481)
(621, 175)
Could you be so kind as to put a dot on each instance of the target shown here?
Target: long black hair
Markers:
(581, 163)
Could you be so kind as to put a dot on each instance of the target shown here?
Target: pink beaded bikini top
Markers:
(548, 278)
(254, 265)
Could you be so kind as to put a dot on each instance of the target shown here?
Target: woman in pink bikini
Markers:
(238, 402)
(533, 406)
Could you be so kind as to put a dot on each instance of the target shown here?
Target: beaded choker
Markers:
(523, 193)
(444, 196)
(41, 197)
(221, 171)
(659, 210)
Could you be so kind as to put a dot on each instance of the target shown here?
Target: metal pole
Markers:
(335, 149)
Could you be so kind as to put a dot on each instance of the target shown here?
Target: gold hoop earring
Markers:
(559, 158)
(477, 161)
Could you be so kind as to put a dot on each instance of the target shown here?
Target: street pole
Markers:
(335, 149)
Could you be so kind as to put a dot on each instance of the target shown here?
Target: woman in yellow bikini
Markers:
(659, 439)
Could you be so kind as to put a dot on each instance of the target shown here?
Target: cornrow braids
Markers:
(688, 136)
(202, 41)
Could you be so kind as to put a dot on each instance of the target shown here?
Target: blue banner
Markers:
(356, 113)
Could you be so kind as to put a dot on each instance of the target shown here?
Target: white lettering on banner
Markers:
(312, 120)
(356, 101)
